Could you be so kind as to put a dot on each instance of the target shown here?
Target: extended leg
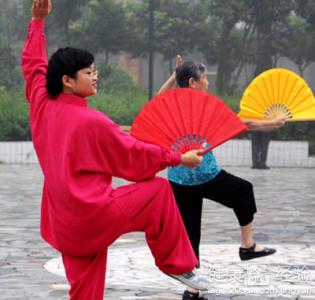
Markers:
(86, 276)
(189, 202)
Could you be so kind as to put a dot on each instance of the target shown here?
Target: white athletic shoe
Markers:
(192, 279)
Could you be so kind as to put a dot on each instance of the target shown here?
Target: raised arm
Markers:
(264, 125)
(34, 57)
(169, 84)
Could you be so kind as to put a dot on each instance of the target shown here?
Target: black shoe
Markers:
(192, 296)
(261, 167)
(264, 167)
(250, 253)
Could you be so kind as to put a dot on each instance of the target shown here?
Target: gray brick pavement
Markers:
(286, 209)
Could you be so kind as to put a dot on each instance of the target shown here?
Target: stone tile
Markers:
(285, 219)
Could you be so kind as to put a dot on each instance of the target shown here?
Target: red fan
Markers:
(184, 119)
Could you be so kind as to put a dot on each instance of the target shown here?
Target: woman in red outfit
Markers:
(80, 150)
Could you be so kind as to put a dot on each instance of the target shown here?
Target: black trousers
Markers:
(227, 189)
(260, 145)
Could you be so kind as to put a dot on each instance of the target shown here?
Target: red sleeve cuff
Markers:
(176, 158)
(36, 25)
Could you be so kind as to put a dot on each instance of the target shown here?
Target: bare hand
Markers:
(277, 122)
(179, 61)
(41, 9)
(192, 159)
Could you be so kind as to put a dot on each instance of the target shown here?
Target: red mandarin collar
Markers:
(72, 99)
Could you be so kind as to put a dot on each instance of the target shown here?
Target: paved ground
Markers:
(286, 204)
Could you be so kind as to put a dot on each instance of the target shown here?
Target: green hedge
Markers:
(14, 121)
(113, 78)
(122, 107)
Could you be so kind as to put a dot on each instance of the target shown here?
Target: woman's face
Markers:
(201, 84)
(84, 84)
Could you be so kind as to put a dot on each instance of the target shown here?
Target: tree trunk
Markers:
(170, 65)
(303, 67)
(67, 35)
(106, 57)
(224, 68)
(246, 43)
(264, 40)
(264, 48)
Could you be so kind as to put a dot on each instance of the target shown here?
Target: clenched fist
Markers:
(41, 9)
(192, 159)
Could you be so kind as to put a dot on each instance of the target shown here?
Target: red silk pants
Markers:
(147, 206)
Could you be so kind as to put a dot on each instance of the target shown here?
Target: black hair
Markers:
(188, 70)
(65, 61)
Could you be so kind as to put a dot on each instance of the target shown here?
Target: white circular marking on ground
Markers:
(289, 272)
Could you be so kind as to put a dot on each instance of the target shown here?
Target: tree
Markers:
(63, 14)
(227, 46)
(8, 21)
(9, 75)
(266, 15)
(306, 9)
(180, 25)
(300, 44)
(103, 28)
(305, 34)
(137, 21)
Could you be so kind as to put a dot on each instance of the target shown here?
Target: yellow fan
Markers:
(278, 93)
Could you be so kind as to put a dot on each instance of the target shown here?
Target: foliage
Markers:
(231, 34)
(122, 107)
(114, 78)
(63, 14)
(229, 43)
(9, 22)
(103, 28)
(10, 76)
(179, 27)
(137, 20)
(14, 120)
(300, 43)
(306, 9)
(267, 15)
